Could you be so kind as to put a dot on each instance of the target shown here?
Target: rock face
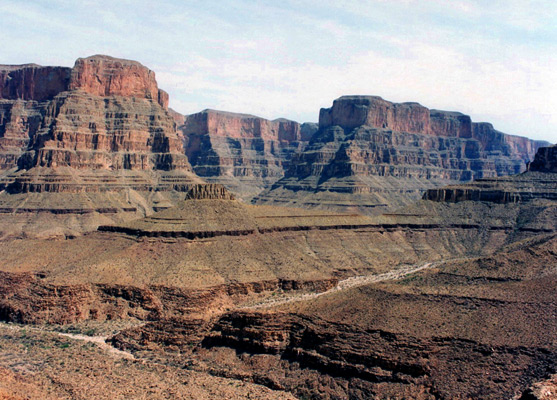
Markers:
(244, 152)
(90, 132)
(32, 82)
(107, 76)
(373, 155)
(538, 183)
(101, 126)
(545, 160)
(105, 113)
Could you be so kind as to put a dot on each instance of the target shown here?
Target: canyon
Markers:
(415, 258)
(286, 298)
(97, 144)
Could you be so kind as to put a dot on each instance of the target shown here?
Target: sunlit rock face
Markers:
(101, 75)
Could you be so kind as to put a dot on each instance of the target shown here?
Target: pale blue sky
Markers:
(495, 60)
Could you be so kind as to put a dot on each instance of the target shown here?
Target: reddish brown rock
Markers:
(19, 121)
(101, 75)
(244, 152)
(32, 81)
(90, 132)
(102, 127)
(372, 155)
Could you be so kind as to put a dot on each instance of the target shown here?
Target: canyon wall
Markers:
(372, 155)
(538, 183)
(101, 126)
(104, 113)
(32, 82)
(244, 152)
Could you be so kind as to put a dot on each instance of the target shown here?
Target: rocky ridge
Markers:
(372, 156)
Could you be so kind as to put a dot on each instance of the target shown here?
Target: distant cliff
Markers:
(372, 155)
(85, 145)
(244, 152)
(105, 113)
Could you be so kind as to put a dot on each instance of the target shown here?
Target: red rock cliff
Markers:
(105, 113)
(244, 152)
(101, 75)
(350, 112)
(32, 82)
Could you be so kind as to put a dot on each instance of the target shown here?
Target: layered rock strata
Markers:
(438, 334)
(371, 155)
(102, 126)
(472, 316)
(244, 152)
(539, 183)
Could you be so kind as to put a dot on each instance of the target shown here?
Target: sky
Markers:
(493, 60)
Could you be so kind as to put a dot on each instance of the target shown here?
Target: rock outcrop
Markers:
(244, 152)
(101, 126)
(545, 160)
(373, 155)
(209, 191)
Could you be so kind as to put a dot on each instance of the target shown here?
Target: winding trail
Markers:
(101, 342)
(345, 284)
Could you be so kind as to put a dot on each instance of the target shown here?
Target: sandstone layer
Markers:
(101, 127)
(372, 156)
(244, 152)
